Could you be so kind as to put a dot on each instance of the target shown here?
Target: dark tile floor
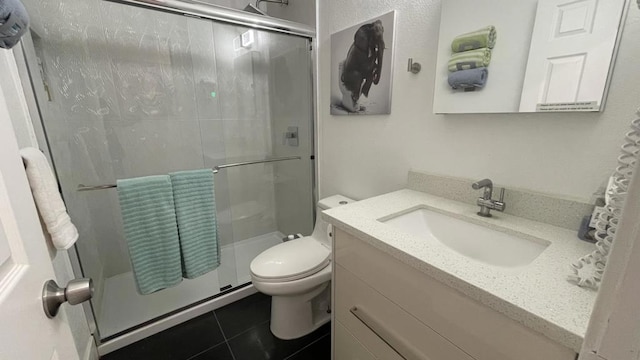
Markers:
(238, 331)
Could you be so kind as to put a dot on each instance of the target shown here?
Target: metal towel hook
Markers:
(413, 67)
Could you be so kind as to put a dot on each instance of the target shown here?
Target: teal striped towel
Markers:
(483, 38)
(196, 212)
(151, 230)
(470, 59)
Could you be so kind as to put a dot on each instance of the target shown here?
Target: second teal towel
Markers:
(195, 206)
(150, 227)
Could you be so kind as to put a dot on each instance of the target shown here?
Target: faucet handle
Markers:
(500, 205)
(482, 183)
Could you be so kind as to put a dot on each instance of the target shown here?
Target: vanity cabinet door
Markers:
(348, 347)
(386, 330)
(476, 329)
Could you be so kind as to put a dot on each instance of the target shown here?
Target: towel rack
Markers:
(82, 187)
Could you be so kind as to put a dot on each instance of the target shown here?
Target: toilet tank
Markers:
(320, 232)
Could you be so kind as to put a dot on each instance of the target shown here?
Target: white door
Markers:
(571, 52)
(25, 331)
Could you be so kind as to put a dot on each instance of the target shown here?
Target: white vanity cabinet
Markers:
(385, 309)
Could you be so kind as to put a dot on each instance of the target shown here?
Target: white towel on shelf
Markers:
(48, 200)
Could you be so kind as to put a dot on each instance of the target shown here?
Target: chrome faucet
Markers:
(485, 202)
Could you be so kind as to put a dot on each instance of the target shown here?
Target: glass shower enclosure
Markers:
(125, 92)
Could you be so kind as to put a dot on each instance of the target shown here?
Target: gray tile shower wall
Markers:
(545, 208)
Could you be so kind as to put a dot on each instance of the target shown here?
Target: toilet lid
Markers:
(291, 260)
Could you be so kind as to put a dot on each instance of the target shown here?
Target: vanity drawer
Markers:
(348, 347)
(381, 326)
(475, 328)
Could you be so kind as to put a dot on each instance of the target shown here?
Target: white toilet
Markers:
(297, 275)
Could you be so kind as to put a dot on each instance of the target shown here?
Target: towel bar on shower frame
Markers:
(82, 187)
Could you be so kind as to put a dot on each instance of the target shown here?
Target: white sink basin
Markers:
(471, 240)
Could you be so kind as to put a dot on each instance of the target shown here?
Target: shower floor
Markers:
(123, 307)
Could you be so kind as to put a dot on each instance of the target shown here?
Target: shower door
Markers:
(126, 92)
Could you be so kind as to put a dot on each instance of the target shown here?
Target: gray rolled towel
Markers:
(469, 79)
(14, 22)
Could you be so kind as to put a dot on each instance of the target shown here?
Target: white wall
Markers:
(566, 154)
(302, 11)
(514, 24)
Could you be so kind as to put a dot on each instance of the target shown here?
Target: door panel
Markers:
(571, 52)
(575, 18)
(5, 253)
(25, 265)
(563, 78)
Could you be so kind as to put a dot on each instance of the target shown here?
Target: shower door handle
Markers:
(76, 292)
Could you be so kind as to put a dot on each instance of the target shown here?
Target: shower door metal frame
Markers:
(207, 11)
(25, 51)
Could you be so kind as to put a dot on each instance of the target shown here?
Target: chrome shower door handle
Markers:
(76, 292)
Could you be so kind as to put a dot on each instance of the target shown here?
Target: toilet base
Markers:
(296, 316)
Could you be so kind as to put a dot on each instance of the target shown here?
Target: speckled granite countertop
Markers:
(536, 295)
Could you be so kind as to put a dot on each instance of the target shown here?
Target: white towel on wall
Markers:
(48, 200)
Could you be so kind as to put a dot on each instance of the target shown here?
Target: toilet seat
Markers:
(292, 260)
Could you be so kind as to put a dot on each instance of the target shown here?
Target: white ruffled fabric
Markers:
(589, 269)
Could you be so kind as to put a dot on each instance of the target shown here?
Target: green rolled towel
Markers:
(470, 59)
(151, 231)
(193, 194)
(483, 38)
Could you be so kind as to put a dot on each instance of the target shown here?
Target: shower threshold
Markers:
(127, 316)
